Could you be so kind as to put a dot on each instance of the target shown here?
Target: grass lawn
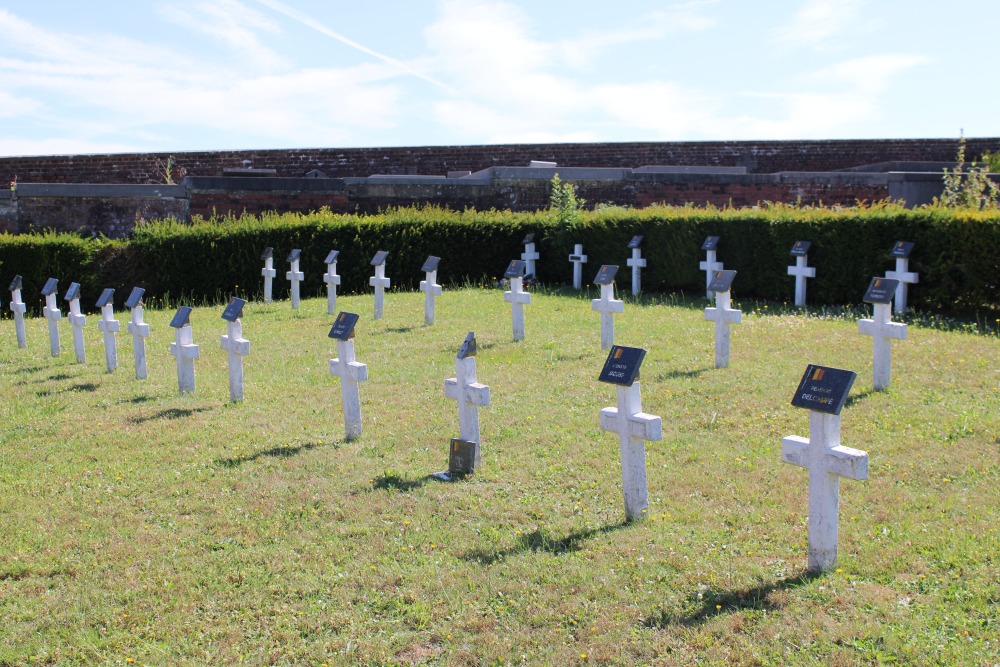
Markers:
(140, 526)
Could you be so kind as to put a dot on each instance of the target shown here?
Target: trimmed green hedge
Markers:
(957, 253)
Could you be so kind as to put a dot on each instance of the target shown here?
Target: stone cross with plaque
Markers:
(184, 349)
(517, 297)
(637, 263)
(881, 328)
(379, 281)
(470, 395)
(529, 256)
(268, 272)
(429, 287)
(77, 322)
(295, 276)
(823, 392)
(236, 345)
(607, 305)
(801, 270)
(349, 371)
(18, 308)
(722, 315)
(110, 326)
(578, 259)
(901, 251)
(52, 314)
(632, 425)
(139, 330)
(710, 266)
(332, 280)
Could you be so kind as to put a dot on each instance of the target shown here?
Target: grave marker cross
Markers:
(883, 330)
(110, 326)
(332, 280)
(710, 266)
(295, 276)
(430, 288)
(578, 259)
(184, 349)
(723, 316)
(268, 272)
(517, 298)
(350, 372)
(529, 255)
(18, 308)
(139, 330)
(52, 314)
(379, 282)
(801, 271)
(607, 306)
(77, 321)
(637, 263)
(471, 395)
(237, 347)
(904, 276)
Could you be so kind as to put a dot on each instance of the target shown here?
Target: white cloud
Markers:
(819, 21)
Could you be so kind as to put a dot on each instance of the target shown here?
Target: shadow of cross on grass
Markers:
(283, 452)
(717, 602)
(169, 413)
(538, 540)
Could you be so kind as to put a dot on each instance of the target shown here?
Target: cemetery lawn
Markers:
(140, 526)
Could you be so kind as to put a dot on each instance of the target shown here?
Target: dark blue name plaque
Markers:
(51, 285)
(106, 296)
(181, 318)
(635, 242)
(800, 248)
(267, 254)
(379, 257)
(824, 389)
(343, 328)
(431, 264)
(332, 257)
(515, 269)
(294, 255)
(530, 238)
(468, 348)
(901, 249)
(234, 310)
(606, 275)
(711, 243)
(73, 292)
(881, 290)
(722, 281)
(622, 365)
(135, 298)
(15, 284)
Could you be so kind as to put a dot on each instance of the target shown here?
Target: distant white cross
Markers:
(296, 277)
(883, 330)
(801, 271)
(633, 427)
(269, 273)
(827, 461)
(332, 280)
(52, 314)
(77, 321)
(140, 332)
(517, 298)
(18, 308)
(380, 283)
(904, 276)
(185, 350)
(529, 256)
(431, 289)
(607, 306)
(471, 395)
(350, 373)
(637, 263)
(723, 316)
(709, 266)
(110, 326)
(578, 259)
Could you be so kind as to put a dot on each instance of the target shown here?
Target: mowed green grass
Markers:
(140, 526)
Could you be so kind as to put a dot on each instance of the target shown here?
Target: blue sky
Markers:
(101, 76)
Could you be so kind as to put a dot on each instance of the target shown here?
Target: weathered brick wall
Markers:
(760, 157)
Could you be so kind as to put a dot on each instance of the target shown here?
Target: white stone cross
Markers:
(295, 276)
(238, 347)
(332, 280)
(350, 373)
(827, 461)
(110, 326)
(637, 263)
(709, 266)
(77, 321)
(607, 306)
(269, 273)
(140, 332)
(578, 259)
(883, 330)
(517, 298)
(431, 289)
(380, 283)
(723, 316)
(471, 395)
(633, 427)
(18, 308)
(801, 271)
(904, 276)
(185, 350)
(52, 314)
(529, 256)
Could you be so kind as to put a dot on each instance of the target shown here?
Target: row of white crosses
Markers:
(185, 350)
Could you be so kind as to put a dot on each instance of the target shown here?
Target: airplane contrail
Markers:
(296, 15)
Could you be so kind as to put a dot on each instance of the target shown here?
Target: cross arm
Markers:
(794, 450)
(847, 462)
(642, 425)
(354, 370)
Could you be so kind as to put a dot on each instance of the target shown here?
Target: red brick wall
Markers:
(112, 216)
(757, 156)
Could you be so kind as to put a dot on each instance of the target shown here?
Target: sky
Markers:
(187, 75)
